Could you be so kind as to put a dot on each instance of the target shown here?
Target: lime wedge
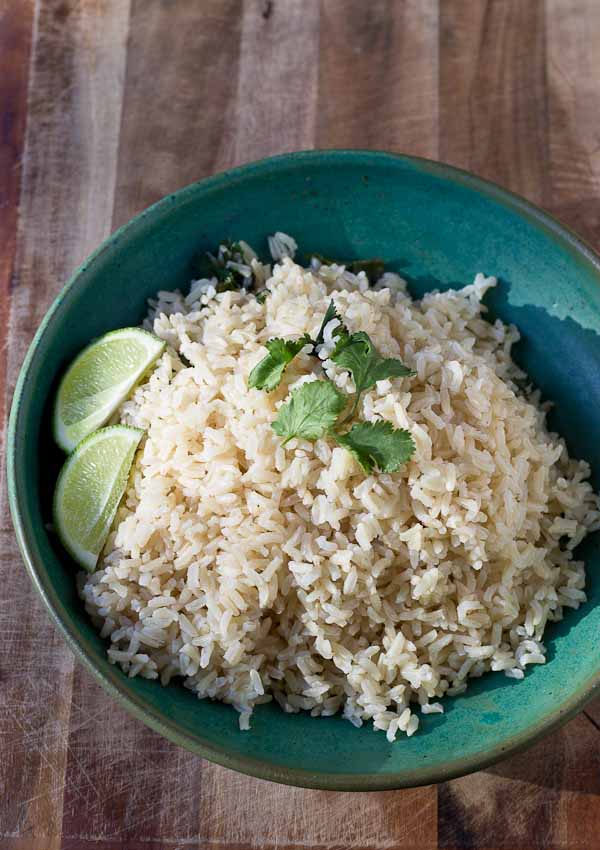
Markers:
(99, 379)
(89, 488)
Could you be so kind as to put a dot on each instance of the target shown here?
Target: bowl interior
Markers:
(437, 227)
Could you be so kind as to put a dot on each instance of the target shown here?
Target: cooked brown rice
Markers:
(257, 571)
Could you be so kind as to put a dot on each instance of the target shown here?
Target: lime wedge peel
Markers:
(89, 489)
(99, 380)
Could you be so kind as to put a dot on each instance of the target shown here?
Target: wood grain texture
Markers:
(493, 92)
(16, 24)
(242, 812)
(131, 99)
(277, 102)
(179, 98)
(116, 772)
(573, 36)
(371, 56)
(66, 208)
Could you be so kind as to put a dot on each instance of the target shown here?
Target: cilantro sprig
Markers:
(230, 267)
(267, 374)
(313, 409)
(312, 412)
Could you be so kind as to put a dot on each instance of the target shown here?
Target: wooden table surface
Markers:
(105, 106)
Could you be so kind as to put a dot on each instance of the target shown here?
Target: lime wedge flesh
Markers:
(89, 488)
(99, 379)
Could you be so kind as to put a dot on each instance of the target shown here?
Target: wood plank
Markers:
(180, 98)
(74, 106)
(243, 812)
(573, 105)
(461, 33)
(469, 808)
(580, 784)
(16, 26)
(213, 109)
(378, 75)
(551, 791)
(124, 782)
(278, 78)
(96, 844)
(493, 117)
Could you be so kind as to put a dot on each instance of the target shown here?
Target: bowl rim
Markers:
(116, 688)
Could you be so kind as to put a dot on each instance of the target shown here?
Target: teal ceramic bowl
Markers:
(438, 227)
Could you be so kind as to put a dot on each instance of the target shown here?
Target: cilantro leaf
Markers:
(311, 411)
(231, 267)
(330, 314)
(357, 354)
(267, 374)
(378, 443)
(228, 282)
